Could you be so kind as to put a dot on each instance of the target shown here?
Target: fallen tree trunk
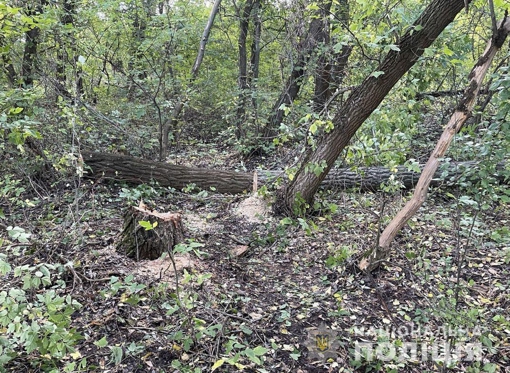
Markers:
(140, 171)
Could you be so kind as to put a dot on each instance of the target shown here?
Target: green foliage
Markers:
(240, 350)
(17, 109)
(338, 256)
(130, 289)
(188, 247)
(34, 318)
(144, 192)
(147, 225)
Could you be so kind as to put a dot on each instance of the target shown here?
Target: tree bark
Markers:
(140, 171)
(459, 117)
(7, 64)
(166, 128)
(138, 243)
(293, 84)
(298, 195)
(66, 40)
(244, 23)
(30, 50)
(323, 78)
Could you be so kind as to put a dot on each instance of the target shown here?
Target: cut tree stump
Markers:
(138, 243)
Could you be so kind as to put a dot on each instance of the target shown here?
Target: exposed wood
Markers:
(138, 243)
(140, 171)
(456, 122)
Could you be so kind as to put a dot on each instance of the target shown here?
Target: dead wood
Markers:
(140, 243)
(139, 171)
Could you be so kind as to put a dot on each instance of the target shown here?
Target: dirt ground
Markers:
(263, 280)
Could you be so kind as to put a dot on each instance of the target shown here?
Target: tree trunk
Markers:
(244, 22)
(340, 59)
(135, 67)
(66, 41)
(139, 243)
(140, 171)
(7, 64)
(323, 77)
(298, 195)
(30, 50)
(293, 84)
(205, 38)
(459, 117)
(167, 127)
(255, 55)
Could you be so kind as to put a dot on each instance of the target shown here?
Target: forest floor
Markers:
(259, 293)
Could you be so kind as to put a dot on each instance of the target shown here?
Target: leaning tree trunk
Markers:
(139, 243)
(298, 194)
(459, 117)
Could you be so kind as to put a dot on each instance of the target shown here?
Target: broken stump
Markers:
(138, 243)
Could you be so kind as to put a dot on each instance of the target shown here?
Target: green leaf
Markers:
(259, 350)
(377, 74)
(102, 342)
(251, 355)
(447, 51)
(117, 354)
(147, 225)
(490, 367)
(313, 128)
(217, 364)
